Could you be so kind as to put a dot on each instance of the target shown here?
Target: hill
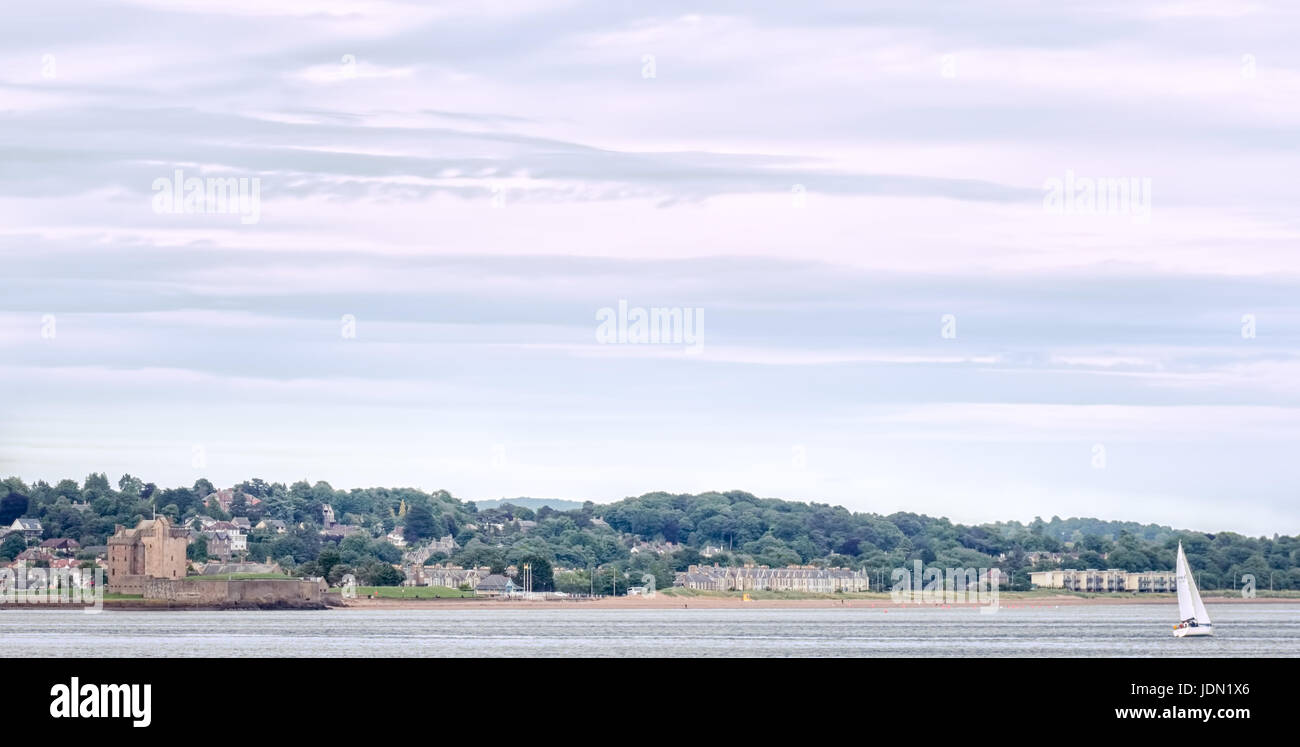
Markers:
(659, 534)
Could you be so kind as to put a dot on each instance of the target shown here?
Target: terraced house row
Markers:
(763, 578)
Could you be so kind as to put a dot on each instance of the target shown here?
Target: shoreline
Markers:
(163, 605)
(882, 602)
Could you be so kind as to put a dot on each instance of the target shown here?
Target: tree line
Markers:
(610, 546)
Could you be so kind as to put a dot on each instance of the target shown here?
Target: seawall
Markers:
(220, 593)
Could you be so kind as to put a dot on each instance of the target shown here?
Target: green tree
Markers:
(328, 558)
(337, 572)
(573, 582)
(382, 574)
(130, 485)
(543, 574)
(420, 524)
(12, 506)
(213, 509)
(12, 545)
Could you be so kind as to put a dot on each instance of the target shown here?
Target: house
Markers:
(196, 524)
(696, 580)
(397, 537)
(452, 576)
(218, 545)
(1035, 557)
(63, 573)
(64, 564)
(418, 555)
(339, 531)
(763, 578)
(241, 522)
(658, 548)
(274, 525)
(99, 551)
(327, 516)
(225, 538)
(31, 557)
(225, 543)
(62, 545)
(226, 498)
(495, 585)
(30, 528)
(153, 549)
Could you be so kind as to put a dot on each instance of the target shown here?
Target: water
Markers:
(1241, 630)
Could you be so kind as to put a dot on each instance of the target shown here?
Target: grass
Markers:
(411, 592)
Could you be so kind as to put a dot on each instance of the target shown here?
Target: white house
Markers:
(28, 527)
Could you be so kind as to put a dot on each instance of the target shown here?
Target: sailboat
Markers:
(1193, 619)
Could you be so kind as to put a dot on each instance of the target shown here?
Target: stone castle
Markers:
(154, 549)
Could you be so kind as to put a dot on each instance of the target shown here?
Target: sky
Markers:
(879, 218)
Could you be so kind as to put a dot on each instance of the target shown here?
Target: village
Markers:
(155, 560)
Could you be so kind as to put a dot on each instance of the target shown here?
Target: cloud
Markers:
(472, 181)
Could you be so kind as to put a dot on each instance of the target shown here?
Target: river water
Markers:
(1241, 630)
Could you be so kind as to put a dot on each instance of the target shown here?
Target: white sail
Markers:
(1202, 617)
(1190, 606)
(1185, 609)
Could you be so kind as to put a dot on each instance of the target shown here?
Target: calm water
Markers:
(1115, 630)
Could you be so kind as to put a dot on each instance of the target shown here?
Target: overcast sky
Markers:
(852, 194)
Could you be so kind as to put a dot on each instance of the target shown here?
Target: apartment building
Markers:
(1109, 580)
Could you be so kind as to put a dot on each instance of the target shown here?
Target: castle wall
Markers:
(236, 591)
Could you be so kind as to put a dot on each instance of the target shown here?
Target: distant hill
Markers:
(731, 528)
(532, 503)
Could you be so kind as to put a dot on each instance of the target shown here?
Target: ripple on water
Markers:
(1111, 630)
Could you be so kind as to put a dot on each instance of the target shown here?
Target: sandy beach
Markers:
(882, 601)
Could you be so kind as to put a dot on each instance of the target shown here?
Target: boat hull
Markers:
(1199, 631)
